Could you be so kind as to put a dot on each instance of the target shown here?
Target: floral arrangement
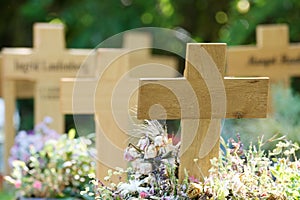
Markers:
(152, 173)
(252, 173)
(36, 139)
(238, 173)
(58, 169)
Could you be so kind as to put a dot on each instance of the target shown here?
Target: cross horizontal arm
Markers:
(245, 98)
(77, 95)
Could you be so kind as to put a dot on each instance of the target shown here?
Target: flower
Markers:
(37, 185)
(131, 187)
(27, 141)
(153, 169)
(130, 154)
(150, 151)
(237, 174)
(18, 184)
(59, 169)
(143, 194)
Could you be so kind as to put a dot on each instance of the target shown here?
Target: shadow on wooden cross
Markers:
(201, 99)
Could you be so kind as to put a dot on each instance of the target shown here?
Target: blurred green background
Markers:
(88, 22)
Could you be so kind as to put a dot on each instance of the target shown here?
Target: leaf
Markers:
(276, 151)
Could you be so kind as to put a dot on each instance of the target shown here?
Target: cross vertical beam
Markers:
(201, 99)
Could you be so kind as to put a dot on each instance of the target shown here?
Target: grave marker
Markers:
(201, 99)
(273, 56)
(140, 44)
(101, 97)
(24, 88)
(43, 65)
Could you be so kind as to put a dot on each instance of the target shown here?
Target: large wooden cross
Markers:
(43, 65)
(110, 97)
(201, 99)
(272, 56)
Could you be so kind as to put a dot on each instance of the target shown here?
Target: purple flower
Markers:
(31, 140)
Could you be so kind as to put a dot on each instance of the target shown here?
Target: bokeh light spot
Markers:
(147, 18)
(221, 17)
(126, 2)
(243, 6)
(166, 7)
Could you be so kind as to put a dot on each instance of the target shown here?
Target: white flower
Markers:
(143, 143)
(150, 151)
(159, 141)
(92, 176)
(130, 154)
(150, 179)
(131, 187)
(144, 168)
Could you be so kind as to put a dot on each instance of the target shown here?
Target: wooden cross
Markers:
(201, 99)
(273, 56)
(43, 65)
(140, 44)
(109, 97)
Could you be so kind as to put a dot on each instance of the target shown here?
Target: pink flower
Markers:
(130, 154)
(18, 184)
(143, 194)
(37, 185)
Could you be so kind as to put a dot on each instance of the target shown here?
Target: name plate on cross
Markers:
(272, 56)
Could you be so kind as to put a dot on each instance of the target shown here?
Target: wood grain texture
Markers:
(200, 143)
(9, 128)
(273, 56)
(201, 99)
(245, 98)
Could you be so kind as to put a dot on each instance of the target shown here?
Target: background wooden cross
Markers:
(272, 56)
(141, 46)
(44, 65)
(90, 96)
(24, 89)
(201, 99)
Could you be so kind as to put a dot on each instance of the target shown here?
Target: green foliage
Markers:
(90, 22)
(241, 25)
(6, 196)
